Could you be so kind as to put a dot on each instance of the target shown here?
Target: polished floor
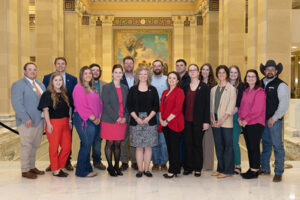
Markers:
(104, 187)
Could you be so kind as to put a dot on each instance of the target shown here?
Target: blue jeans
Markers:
(96, 147)
(86, 134)
(236, 136)
(224, 149)
(272, 137)
(160, 152)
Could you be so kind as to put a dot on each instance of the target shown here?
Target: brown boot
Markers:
(277, 178)
(155, 167)
(29, 175)
(48, 169)
(164, 168)
(37, 172)
(69, 166)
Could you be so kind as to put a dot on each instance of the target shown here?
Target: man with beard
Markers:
(128, 80)
(159, 152)
(96, 146)
(277, 104)
(181, 69)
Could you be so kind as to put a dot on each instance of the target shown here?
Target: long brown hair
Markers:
(239, 78)
(211, 78)
(54, 94)
(91, 83)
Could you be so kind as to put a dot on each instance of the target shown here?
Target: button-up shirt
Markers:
(160, 83)
(130, 80)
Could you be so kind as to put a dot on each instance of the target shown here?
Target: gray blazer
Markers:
(25, 101)
(110, 101)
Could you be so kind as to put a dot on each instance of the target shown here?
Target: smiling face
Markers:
(180, 67)
(128, 65)
(172, 80)
(96, 73)
(270, 72)
(117, 74)
(157, 68)
(87, 75)
(222, 75)
(30, 71)
(57, 82)
(143, 76)
(60, 65)
(205, 71)
(193, 71)
(251, 78)
(233, 74)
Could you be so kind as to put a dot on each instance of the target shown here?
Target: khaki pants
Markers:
(30, 140)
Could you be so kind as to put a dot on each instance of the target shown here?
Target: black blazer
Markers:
(151, 103)
(201, 105)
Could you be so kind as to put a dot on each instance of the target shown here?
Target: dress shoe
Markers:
(148, 174)
(92, 174)
(197, 174)
(100, 166)
(277, 178)
(237, 170)
(69, 166)
(155, 167)
(163, 168)
(111, 171)
(48, 169)
(139, 174)
(221, 175)
(29, 175)
(37, 172)
(261, 172)
(61, 174)
(215, 174)
(186, 172)
(166, 175)
(118, 171)
(134, 166)
(124, 166)
(250, 174)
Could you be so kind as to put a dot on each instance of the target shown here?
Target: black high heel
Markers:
(166, 175)
(111, 171)
(118, 171)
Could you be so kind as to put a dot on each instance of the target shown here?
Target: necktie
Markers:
(36, 89)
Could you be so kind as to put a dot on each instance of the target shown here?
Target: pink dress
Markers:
(114, 131)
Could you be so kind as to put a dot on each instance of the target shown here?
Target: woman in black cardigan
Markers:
(143, 104)
(197, 117)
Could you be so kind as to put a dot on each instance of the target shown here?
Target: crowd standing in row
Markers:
(178, 118)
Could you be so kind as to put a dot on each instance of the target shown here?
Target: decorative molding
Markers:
(69, 5)
(143, 1)
(178, 20)
(187, 22)
(192, 20)
(213, 5)
(199, 20)
(98, 22)
(142, 21)
(107, 20)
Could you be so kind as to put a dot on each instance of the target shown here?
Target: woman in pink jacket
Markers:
(252, 118)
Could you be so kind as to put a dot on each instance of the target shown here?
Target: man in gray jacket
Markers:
(25, 97)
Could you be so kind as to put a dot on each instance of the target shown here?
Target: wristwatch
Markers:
(167, 121)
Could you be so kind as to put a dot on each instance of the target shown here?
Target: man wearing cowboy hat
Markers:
(277, 105)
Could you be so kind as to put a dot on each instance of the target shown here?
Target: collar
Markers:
(266, 81)
(129, 76)
(31, 81)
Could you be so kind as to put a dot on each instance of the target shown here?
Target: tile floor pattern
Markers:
(104, 187)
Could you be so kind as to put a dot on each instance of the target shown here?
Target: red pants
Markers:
(60, 136)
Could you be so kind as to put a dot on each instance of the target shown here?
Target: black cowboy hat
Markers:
(271, 63)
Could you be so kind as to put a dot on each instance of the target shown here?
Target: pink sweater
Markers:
(253, 106)
(86, 104)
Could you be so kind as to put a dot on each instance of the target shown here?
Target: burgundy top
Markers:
(189, 106)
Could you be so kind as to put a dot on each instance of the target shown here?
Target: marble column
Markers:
(14, 39)
(210, 35)
(85, 46)
(48, 34)
(193, 39)
(178, 38)
(232, 33)
(199, 31)
(107, 46)
(98, 42)
(92, 32)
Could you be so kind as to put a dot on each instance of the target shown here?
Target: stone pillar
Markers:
(98, 42)
(210, 16)
(47, 35)
(232, 33)
(107, 46)
(199, 45)
(92, 31)
(85, 46)
(14, 39)
(178, 33)
(193, 39)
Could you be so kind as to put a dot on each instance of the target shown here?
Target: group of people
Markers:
(178, 118)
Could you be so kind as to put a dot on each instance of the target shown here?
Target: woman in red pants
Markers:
(56, 105)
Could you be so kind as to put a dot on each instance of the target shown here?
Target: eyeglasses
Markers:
(193, 70)
(251, 76)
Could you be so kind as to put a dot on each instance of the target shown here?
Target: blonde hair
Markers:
(138, 71)
(54, 94)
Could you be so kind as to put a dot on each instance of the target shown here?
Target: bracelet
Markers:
(94, 119)
(167, 121)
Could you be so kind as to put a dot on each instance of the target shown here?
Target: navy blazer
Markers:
(25, 101)
(71, 81)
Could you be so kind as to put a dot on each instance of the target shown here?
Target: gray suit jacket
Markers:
(111, 103)
(25, 101)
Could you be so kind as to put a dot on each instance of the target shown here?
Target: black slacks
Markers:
(172, 140)
(193, 150)
(252, 135)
